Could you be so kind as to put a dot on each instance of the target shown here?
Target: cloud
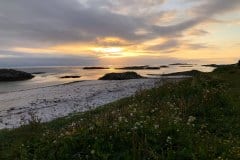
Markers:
(48, 23)
(170, 44)
(216, 7)
(195, 46)
(198, 32)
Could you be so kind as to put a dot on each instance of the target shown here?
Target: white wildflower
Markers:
(92, 151)
(169, 140)
(191, 119)
(156, 126)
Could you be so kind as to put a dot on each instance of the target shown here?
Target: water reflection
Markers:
(51, 75)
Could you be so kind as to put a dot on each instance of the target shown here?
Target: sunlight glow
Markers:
(108, 49)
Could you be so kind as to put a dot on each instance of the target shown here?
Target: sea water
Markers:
(52, 75)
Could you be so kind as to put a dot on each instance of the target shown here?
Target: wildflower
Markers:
(135, 128)
(156, 126)
(92, 151)
(73, 124)
(120, 119)
(134, 110)
(169, 140)
(191, 119)
(137, 124)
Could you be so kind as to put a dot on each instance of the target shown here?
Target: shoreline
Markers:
(54, 85)
(49, 103)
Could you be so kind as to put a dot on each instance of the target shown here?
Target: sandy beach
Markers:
(57, 101)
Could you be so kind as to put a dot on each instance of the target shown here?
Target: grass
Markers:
(197, 118)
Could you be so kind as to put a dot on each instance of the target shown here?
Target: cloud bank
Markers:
(133, 23)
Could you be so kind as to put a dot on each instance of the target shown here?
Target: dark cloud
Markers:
(173, 45)
(59, 21)
(168, 45)
(215, 7)
(41, 23)
(37, 23)
(18, 59)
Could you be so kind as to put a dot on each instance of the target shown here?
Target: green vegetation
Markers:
(197, 118)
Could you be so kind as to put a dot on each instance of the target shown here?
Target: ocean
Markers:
(50, 76)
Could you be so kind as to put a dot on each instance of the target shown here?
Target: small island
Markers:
(38, 73)
(96, 68)
(14, 75)
(139, 68)
(164, 66)
(121, 76)
(180, 64)
(210, 65)
(67, 77)
(184, 73)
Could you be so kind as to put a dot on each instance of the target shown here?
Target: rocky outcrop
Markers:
(139, 68)
(164, 66)
(121, 76)
(66, 77)
(185, 73)
(14, 75)
(96, 68)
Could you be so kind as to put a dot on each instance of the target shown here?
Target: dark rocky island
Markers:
(14, 75)
(121, 76)
(185, 73)
(210, 65)
(139, 68)
(66, 77)
(96, 68)
(186, 66)
(180, 64)
(164, 66)
(38, 73)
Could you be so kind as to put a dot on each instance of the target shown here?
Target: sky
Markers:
(108, 32)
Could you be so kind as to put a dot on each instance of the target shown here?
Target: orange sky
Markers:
(107, 30)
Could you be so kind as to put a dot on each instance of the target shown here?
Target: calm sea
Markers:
(51, 75)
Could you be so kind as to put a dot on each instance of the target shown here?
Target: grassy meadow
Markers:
(197, 118)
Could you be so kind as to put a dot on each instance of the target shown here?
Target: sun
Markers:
(108, 49)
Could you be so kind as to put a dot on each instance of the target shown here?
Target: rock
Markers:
(180, 64)
(138, 68)
(38, 73)
(152, 68)
(164, 66)
(96, 68)
(14, 75)
(185, 73)
(65, 77)
(210, 65)
(186, 66)
(121, 76)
